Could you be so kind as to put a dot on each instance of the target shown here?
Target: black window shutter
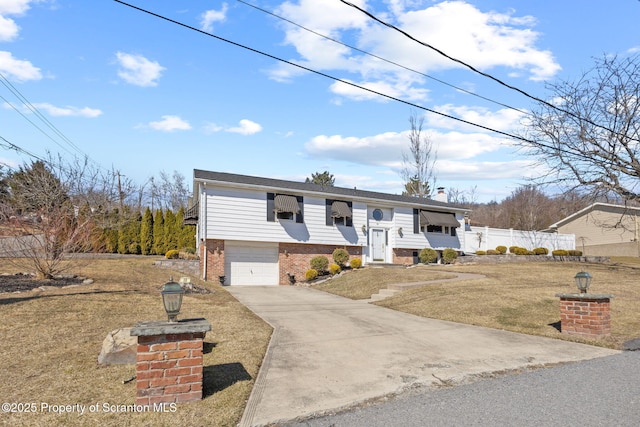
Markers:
(416, 221)
(271, 214)
(350, 219)
(328, 218)
(300, 215)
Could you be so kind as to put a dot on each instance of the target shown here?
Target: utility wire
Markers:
(38, 114)
(489, 76)
(468, 92)
(517, 137)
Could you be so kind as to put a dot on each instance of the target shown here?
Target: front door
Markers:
(377, 243)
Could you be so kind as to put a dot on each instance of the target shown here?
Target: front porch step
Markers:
(382, 294)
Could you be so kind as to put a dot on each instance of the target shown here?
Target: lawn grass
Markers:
(515, 297)
(51, 341)
(362, 283)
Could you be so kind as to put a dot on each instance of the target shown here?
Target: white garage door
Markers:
(251, 263)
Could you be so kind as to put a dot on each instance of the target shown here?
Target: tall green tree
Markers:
(170, 231)
(322, 178)
(159, 247)
(146, 232)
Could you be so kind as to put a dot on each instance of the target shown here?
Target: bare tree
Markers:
(418, 166)
(589, 137)
(56, 210)
(169, 192)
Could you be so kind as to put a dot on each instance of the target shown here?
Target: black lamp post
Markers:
(583, 281)
(172, 299)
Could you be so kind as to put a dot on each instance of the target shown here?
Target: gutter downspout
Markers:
(203, 207)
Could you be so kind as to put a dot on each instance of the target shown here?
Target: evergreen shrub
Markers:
(340, 256)
(172, 254)
(428, 256)
(449, 256)
(311, 274)
(334, 269)
(355, 263)
(319, 263)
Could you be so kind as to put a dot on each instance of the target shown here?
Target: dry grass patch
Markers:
(514, 297)
(52, 339)
(362, 283)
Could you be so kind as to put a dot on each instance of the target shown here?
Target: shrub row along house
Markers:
(263, 231)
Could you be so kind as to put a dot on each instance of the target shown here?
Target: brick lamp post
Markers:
(583, 313)
(169, 366)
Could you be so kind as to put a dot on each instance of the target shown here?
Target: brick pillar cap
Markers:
(158, 327)
(587, 296)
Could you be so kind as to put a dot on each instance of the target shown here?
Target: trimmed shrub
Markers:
(172, 254)
(574, 252)
(560, 252)
(512, 249)
(449, 256)
(334, 269)
(191, 251)
(481, 252)
(520, 251)
(355, 263)
(501, 249)
(319, 263)
(340, 256)
(540, 251)
(310, 275)
(493, 252)
(428, 256)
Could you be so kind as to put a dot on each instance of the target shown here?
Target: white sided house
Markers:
(263, 231)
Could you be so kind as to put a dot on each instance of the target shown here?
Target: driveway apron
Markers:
(329, 352)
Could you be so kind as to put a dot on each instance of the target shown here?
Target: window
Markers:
(434, 222)
(284, 207)
(434, 228)
(339, 213)
(378, 214)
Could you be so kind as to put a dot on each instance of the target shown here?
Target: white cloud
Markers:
(210, 16)
(8, 28)
(138, 70)
(247, 127)
(170, 124)
(485, 39)
(505, 119)
(17, 69)
(68, 111)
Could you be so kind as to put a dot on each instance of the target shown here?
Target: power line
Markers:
(38, 114)
(468, 92)
(489, 76)
(517, 137)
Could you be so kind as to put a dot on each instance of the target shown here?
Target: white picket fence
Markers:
(484, 238)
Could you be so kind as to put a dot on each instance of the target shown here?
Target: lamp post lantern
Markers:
(172, 299)
(583, 281)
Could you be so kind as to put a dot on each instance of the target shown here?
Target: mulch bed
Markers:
(28, 282)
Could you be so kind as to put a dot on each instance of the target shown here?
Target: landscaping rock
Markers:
(118, 348)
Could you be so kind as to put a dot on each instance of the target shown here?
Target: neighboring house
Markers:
(263, 231)
(603, 229)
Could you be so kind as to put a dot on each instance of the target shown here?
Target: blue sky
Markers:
(142, 95)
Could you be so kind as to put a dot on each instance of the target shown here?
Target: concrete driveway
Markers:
(329, 352)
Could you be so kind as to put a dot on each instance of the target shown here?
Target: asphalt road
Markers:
(597, 392)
